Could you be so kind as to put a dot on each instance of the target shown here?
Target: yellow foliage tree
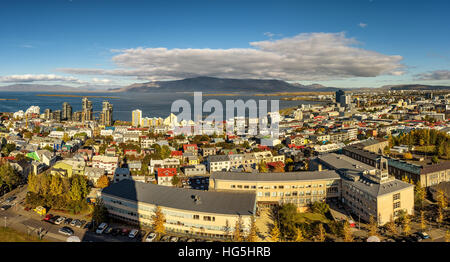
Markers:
(321, 236)
(252, 235)
(299, 235)
(348, 237)
(237, 235)
(158, 220)
(406, 225)
(407, 155)
(423, 222)
(275, 233)
(373, 227)
(391, 226)
(103, 182)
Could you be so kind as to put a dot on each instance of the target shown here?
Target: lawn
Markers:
(425, 149)
(10, 235)
(313, 217)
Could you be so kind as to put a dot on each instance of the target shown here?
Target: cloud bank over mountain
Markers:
(304, 57)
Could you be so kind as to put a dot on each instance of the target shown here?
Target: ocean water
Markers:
(151, 104)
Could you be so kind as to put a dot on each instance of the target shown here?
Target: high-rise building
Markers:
(86, 110)
(339, 94)
(66, 111)
(345, 100)
(136, 117)
(106, 116)
(48, 114)
(77, 116)
(57, 115)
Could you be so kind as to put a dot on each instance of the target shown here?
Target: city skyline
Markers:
(367, 43)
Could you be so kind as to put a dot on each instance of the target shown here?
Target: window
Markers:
(274, 194)
(246, 187)
(396, 205)
(260, 194)
(396, 196)
(196, 217)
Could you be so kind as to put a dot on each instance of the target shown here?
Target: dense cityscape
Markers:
(361, 166)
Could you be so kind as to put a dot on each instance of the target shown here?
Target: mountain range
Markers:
(209, 85)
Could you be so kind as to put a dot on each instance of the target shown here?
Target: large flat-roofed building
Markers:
(186, 211)
(299, 188)
(424, 172)
(376, 145)
(370, 191)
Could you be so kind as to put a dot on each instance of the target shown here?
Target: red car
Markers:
(47, 217)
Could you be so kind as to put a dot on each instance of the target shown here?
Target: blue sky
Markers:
(116, 42)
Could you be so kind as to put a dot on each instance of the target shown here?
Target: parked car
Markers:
(191, 240)
(416, 237)
(125, 231)
(116, 231)
(140, 236)
(67, 221)
(10, 199)
(165, 239)
(101, 228)
(174, 239)
(66, 231)
(81, 223)
(47, 217)
(53, 219)
(424, 235)
(74, 222)
(88, 225)
(133, 233)
(151, 237)
(5, 207)
(108, 230)
(183, 239)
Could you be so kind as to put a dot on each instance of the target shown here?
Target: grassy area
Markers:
(11, 235)
(313, 217)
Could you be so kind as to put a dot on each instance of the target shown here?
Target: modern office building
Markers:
(186, 211)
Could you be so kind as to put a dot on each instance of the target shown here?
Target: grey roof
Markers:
(288, 176)
(375, 189)
(369, 142)
(239, 203)
(362, 152)
(344, 164)
(218, 158)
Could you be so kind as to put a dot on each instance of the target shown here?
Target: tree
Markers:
(103, 182)
(435, 159)
(373, 226)
(262, 167)
(66, 137)
(158, 220)
(420, 193)
(442, 199)
(227, 228)
(56, 188)
(447, 236)
(299, 235)
(275, 233)
(320, 207)
(321, 236)
(348, 237)
(422, 220)
(237, 233)
(391, 226)
(8, 176)
(406, 225)
(100, 212)
(252, 235)
(407, 155)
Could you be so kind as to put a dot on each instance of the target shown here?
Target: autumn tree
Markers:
(237, 233)
(423, 222)
(406, 225)
(321, 236)
(102, 182)
(420, 193)
(252, 235)
(373, 226)
(391, 226)
(299, 235)
(100, 212)
(158, 220)
(275, 233)
(348, 237)
(442, 199)
(447, 236)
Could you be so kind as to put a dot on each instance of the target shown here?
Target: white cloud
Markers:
(101, 81)
(362, 25)
(309, 56)
(434, 75)
(35, 78)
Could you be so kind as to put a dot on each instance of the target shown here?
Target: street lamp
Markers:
(5, 221)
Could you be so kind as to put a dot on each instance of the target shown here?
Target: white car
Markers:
(133, 233)
(151, 237)
(174, 239)
(60, 220)
(101, 228)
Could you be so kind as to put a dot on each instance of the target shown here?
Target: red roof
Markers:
(176, 153)
(166, 171)
(189, 145)
(275, 164)
(263, 147)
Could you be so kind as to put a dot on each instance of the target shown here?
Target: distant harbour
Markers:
(8, 99)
